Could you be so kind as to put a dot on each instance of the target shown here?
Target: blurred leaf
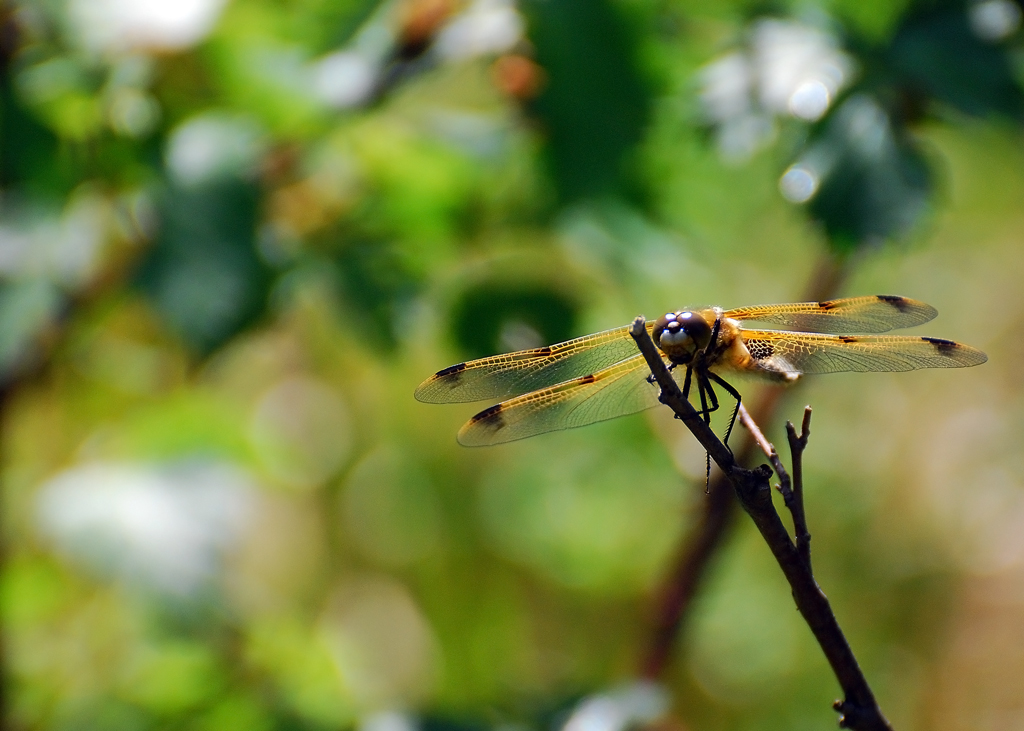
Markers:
(448, 723)
(870, 18)
(236, 713)
(595, 104)
(204, 275)
(391, 508)
(172, 677)
(188, 425)
(937, 54)
(873, 182)
(300, 665)
(495, 317)
(419, 187)
(260, 74)
(378, 284)
(327, 24)
(598, 518)
(28, 150)
(31, 590)
(103, 714)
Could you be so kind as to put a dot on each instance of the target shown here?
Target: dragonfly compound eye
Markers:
(696, 327)
(671, 335)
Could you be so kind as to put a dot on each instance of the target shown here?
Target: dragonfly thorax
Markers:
(681, 334)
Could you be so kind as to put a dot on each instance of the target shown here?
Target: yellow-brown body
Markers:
(716, 341)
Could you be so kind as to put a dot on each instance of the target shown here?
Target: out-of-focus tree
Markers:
(235, 235)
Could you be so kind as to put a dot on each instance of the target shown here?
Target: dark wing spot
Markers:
(457, 368)
(827, 305)
(532, 353)
(760, 349)
(900, 303)
(492, 416)
(943, 346)
(848, 338)
(587, 379)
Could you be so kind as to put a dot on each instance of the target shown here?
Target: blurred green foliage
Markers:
(203, 272)
(234, 237)
(595, 103)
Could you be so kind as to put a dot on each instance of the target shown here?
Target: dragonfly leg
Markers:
(702, 389)
(711, 395)
(686, 383)
(702, 386)
(736, 395)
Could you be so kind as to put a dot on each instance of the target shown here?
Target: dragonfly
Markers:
(603, 376)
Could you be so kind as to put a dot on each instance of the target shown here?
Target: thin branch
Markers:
(791, 490)
(860, 709)
(797, 445)
(693, 557)
(785, 485)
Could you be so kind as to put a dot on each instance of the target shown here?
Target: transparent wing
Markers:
(616, 391)
(501, 376)
(872, 314)
(803, 353)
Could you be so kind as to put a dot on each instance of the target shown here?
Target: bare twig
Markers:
(784, 486)
(718, 510)
(791, 489)
(797, 444)
(859, 710)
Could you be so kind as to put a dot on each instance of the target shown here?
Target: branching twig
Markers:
(718, 510)
(785, 486)
(797, 444)
(859, 710)
(791, 490)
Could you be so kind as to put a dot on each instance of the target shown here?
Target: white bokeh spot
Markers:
(125, 25)
(798, 184)
(162, 527)
(786, 69)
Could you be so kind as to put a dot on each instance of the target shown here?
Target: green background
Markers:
(223, 509)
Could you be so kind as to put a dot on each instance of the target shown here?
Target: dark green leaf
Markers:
(487, 317)
(938, 55)
(377, 283)
(28, 150)
(595, 104)
(873, 183)
(204, 274)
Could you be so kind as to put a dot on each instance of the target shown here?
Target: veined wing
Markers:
(616, 391)
(872, 314)
(501, 376)
(806, 353)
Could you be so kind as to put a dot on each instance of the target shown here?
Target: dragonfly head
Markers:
(681, 334)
